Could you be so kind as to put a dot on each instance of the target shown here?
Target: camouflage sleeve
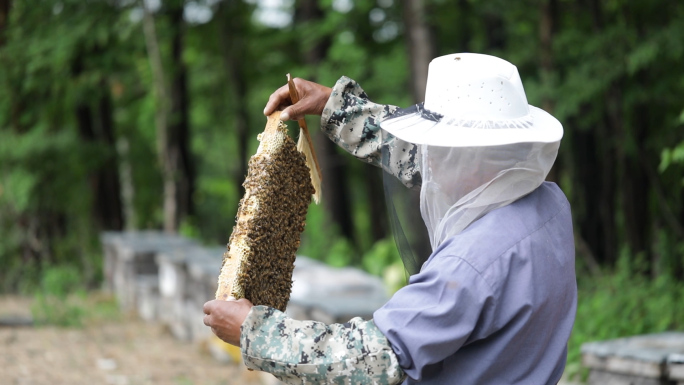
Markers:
(309, 352)
(352, 121)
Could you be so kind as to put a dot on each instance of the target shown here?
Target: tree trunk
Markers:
(594, 201)
(496, 31)
(606, 205)
(333, 164)
(601, 180)
(547, 26)
(16, 105)
(127, 186)
(335, 188)
(464, 29)
(636, 187)
(167, 155)
(4, 18)
(96, 125)
(232, 27)
(109, 194)
(179, 125)
(420, 46)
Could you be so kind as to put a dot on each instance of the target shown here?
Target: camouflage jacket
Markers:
(310, 352)
(352, 121)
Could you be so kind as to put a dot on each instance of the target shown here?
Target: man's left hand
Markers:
(225, 318)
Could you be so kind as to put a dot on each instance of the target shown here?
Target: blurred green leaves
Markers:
(17, 189)
(61, 300)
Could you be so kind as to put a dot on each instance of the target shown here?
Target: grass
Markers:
(62, 300)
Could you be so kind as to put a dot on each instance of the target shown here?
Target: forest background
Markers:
(124, 114)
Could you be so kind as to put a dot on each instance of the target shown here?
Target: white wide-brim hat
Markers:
(473, 100)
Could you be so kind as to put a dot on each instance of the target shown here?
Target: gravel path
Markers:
(122, 352)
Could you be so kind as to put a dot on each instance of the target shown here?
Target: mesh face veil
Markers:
(402, 187)
(462, 184)
(455, 187)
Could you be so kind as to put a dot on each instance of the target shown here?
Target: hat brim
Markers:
(415, 126)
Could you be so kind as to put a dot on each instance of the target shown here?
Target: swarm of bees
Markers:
(261, 251)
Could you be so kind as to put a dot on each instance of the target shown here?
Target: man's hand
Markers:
(225, 318)
(312, 99)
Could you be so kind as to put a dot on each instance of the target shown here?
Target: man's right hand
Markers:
(312, 100)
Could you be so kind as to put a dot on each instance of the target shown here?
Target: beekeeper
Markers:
(493, 300)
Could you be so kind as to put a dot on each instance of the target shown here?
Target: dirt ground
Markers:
(122, 352)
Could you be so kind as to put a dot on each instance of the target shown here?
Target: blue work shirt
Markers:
(494, 304)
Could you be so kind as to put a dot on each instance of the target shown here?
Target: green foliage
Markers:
(383, 260)
(314, 241)
(341, 253)
(60, 281)
(322, 242)
(52, 303)
(670, 156)
(49, 72)
(61, 300)
(383, 253)
(182, 380)
(51, 310)
(33, 186)
(624, 302)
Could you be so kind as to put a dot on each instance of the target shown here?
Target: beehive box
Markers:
(640, 360)
(675, 367)
(330, 295)
(174, 289)
(130, 255)
(203, 271)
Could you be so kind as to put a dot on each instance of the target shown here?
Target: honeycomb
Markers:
(261, 251)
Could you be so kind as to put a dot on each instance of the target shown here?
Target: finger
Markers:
(207, 307)
(245, 301)
(293, 112)
(231, 298)
(207, 320)
(280, 96)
